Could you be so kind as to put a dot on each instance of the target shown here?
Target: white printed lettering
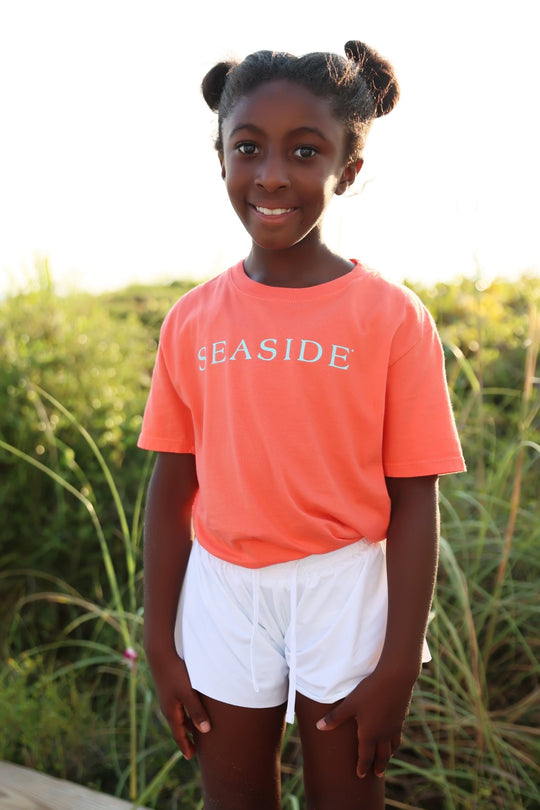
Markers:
(304, 350)
(202, 358)
(272, 351)
(336, 356)
(288, 349)
(218, 348)
(310, 359)
(242, 347)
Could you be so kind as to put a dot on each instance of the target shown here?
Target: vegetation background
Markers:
(76, 699)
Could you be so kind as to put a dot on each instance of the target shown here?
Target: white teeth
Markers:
(273, 212)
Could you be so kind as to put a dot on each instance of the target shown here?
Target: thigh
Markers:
(240, 757)
(330, 778)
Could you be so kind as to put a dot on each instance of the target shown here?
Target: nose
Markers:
(272, 173)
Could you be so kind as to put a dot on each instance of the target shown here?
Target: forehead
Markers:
(283, 105)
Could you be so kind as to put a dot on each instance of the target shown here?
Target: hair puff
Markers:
(378, 73)
(214, 82)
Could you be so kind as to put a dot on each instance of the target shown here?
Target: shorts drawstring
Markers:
(289, 716)
(256, 584)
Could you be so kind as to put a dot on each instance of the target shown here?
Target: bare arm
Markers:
(381, 701)
(412, 553)
(167, 545)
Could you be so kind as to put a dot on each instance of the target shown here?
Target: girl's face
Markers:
(283, 159)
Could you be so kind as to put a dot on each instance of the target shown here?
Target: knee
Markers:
(237, 795)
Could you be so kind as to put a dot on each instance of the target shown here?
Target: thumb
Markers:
(198, 714)
(334, 718)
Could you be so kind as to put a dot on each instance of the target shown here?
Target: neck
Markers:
(296, 266)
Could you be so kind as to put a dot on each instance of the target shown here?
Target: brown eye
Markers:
(305, 151)
(247, 148)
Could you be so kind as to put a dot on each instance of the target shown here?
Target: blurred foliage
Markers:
(47, 724)
(488, 331)
(95, 354)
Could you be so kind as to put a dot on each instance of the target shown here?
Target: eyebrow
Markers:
(298, 131)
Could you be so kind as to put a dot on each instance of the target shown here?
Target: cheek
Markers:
(232, 181)
(330, 185)
(233, 172)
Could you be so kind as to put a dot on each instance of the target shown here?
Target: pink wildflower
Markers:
(130, 657)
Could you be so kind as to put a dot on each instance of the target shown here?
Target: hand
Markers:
(379, 705)
(180, 704)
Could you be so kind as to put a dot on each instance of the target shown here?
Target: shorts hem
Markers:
(329, 701)
(256, 702)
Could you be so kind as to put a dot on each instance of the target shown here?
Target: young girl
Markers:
(301, 418)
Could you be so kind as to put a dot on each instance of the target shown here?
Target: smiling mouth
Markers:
(272, 212)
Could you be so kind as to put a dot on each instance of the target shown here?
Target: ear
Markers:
(349, 176)
(222, 164)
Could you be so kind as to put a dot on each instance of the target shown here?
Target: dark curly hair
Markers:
(360, 88)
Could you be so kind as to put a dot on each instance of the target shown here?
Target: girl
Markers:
(301, 415)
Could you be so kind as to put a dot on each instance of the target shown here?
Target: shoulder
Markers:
(397, 318)
(196, 302)
(390, 299)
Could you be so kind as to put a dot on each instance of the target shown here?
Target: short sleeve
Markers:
(167, 422)
(420, 436)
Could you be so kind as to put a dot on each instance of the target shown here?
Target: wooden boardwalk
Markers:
(25, 789)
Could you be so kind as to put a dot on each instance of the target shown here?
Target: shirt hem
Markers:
(165, 445)
(439, 467)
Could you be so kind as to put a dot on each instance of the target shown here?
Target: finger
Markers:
(198, 714)
(395, 742)
(180, 732)
(334, 718)
(383, 752)
(366, 755)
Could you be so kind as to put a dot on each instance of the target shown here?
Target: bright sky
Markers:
(106, 159)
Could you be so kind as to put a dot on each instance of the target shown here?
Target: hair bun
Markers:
(214, 82)
(378, 73)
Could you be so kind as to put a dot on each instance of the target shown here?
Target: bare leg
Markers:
(240, 757)
(330, 764)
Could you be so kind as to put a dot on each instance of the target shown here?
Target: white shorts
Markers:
(253, 637)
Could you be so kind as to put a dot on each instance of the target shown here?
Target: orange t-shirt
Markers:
(297, 402)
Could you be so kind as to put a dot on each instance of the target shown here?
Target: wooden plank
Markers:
(25, 789)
